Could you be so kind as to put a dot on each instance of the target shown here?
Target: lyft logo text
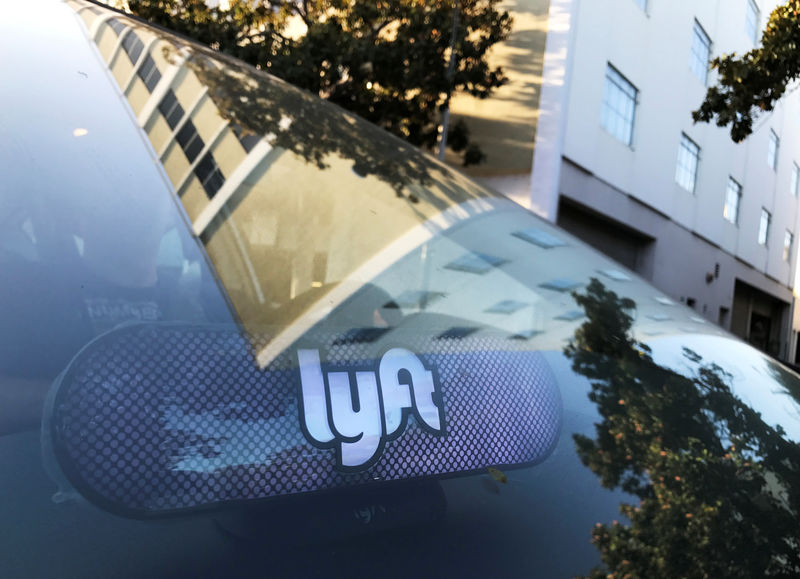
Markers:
(357, 412)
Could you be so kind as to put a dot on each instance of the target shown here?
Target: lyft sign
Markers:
(356, 412)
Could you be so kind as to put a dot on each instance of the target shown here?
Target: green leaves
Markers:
(716, 490)
(751, 84)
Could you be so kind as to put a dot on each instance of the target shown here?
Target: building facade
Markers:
(619, 163)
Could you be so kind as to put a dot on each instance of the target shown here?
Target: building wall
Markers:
(581, 168)
(675, 259)
(652, 50)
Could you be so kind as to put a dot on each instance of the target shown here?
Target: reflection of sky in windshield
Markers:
(752, 374)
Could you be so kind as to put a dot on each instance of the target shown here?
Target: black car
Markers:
(245, 333)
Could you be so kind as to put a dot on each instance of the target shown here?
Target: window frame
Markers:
(752, 21)
(133, 46)
(623, 87)
(247, 140)
(685, 146)
(788, 236)
(763, 230)
(117, 26)
(149, 72)
(773, 149)
(794, 180)
(209, 174)
(730, 190)
(700, 37)
(190, 140)
(171, 109)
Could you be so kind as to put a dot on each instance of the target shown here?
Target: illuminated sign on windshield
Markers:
(357, 412)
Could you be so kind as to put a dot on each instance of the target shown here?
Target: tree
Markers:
(715, 490)
(384, 60)
(751, 84)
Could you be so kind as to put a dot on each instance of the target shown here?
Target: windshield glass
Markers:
(244, 329)
(291, 198)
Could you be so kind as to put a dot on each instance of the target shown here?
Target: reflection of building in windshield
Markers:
(323, 207)
(279, 229)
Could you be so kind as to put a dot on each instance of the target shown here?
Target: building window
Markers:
(686, 170)
(116, 26)
(248, 140)
(795, 179)
(701, 52)
(171, 109)
(752, 21)
(209, 175)
(619, 106)
(149, 73)
(133, 45)
(190, 141)
(772, 150)
(732, 198)
(763, 227)
(788, 240)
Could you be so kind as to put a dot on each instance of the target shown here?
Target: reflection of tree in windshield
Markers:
(299, 122)
(718, 489)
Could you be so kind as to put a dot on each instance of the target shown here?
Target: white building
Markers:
(619, 162)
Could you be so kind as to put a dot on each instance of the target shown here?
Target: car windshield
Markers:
(246, 332)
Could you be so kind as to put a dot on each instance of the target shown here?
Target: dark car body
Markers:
(245, 333)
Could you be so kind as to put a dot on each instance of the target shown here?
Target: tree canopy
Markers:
(385, 60)
(715, 491)
(753, 83)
